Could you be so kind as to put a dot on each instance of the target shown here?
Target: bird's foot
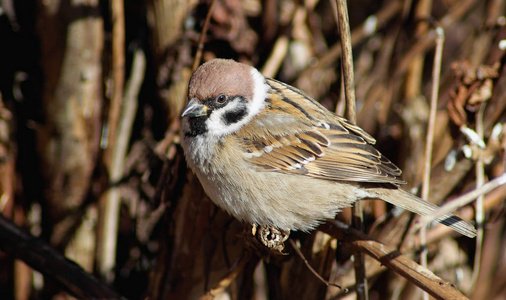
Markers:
(270, 237)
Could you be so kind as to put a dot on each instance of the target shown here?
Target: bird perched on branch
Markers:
(270, 155)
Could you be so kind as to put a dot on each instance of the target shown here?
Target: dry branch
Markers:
(41, 257)
(394, 260)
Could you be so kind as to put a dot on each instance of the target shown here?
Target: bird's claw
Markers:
(270, 237)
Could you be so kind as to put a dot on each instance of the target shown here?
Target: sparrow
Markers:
(270, 155)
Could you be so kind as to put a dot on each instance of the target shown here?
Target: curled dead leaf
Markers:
(473, 87)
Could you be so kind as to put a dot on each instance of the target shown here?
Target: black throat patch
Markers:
(197, 126)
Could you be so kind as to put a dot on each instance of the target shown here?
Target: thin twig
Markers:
(118, 75)
(480, 214)
(364, 31)
(427, 41)
(106, 256)
(414, 76)
(306, 262)
(347, 60)
(200, 46)
(429, 142)
(112, 207)
(464, 199)
(341, 10)
(490, 202)
(436, 71)
(228, 278)
(277, 56)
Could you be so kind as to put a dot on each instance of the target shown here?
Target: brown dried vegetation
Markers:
(91, 166)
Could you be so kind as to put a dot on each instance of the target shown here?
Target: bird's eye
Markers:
(221, 99)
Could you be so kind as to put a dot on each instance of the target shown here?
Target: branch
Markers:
(40, 256)
(394, 260)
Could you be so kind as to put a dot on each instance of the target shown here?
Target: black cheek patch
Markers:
(235, 116)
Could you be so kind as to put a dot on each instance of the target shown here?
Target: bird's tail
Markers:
(410, 202)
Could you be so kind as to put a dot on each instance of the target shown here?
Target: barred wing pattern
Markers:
(322, 145)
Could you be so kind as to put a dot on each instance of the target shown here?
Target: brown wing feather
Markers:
(318, 143)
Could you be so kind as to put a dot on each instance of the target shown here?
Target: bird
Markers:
(270, 155)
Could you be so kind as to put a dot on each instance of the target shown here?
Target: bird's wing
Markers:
(296, 134)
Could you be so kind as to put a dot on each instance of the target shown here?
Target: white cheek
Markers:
(218, 128)
(216, 125)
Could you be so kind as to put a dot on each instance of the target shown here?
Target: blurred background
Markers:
(90, 161)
